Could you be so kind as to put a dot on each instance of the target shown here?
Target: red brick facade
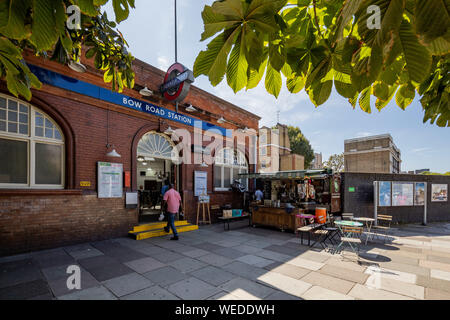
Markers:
(31, 220)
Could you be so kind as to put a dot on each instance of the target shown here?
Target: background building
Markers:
(317, 162)
(376, 154)
(275, 151)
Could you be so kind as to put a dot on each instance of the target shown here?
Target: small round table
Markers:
(345, 223)
(368, 222)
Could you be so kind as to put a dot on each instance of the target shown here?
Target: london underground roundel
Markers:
(177, 82)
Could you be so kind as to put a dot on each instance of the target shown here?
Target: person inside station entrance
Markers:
(172, 201)
(164, 189)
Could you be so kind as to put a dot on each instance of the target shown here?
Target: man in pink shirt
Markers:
(172, 199)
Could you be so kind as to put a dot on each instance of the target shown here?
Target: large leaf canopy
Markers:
(40, 26)
(318, 44)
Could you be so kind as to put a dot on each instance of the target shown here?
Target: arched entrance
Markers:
(156, 166)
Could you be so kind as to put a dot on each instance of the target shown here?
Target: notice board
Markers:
(110, 176)
(200, 183)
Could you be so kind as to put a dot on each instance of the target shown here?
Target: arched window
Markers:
(31, 147)
(227, 165)
(157, 145)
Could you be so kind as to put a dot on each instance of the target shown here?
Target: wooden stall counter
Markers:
(276, 217)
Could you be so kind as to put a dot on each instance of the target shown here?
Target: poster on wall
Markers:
(439, 192)
(419, 195)
(200, 183)
(402, 193)
(384, 193)
(110, 183)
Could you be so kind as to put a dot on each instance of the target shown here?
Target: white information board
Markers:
(110, 176)
(200, 183)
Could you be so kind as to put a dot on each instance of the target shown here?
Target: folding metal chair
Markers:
(351, 238)
(383, 226)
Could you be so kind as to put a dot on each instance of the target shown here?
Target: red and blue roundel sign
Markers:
(177, 82)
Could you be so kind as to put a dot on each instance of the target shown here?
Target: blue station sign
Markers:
(71, 84)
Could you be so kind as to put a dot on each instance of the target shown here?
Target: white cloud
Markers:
(363, 134)
(163, 63)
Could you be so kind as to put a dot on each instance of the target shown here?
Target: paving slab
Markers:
(255, 261)
(437, 258)
(187, 265)
(391, 274)
(165, 276)
(244, 270)
(208, 246)
(247, 249)
(53, 258)
(144, 265)
(434, 283)
(127, 284)
(229, 253)
(433, 294)
(151, 250)
(417, 270)
(328, 282)
(244, 288)
(195, 253)
(289, 270)
(25, 290)
(284, 283)
(95, 293)
(362, 292)
(315, 256)
(284, 250)
(214, 259)
(344, 273)
(168, 256)
(396, 286)
(192, 289)
(59, 287)
(272, 255)
(319, 293)
(349, 265)
(213, 275)
(439, 274)
(258, 244)
(280, 295)
(435, 265)
(227, 243)
(13, 273)
(85, 253)
(151, 293)
(223, 295)
(306, 264)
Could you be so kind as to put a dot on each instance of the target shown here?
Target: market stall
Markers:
(290, 197)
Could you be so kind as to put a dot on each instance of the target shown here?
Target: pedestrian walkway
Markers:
(245, 263)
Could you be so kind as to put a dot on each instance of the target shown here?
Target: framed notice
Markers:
(419, 194)
(439, 192)
(110, 176)
(384, 193)
(402, 193)
(200, 183)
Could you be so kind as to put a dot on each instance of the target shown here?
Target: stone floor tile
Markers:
(396, 286)
(25, 290)
(192, 289)
(195, 253)
(19, 271)
(223, 295)
(229, 253)
(244, 288)
(349, 265)
(151, 250)
(213, 275)
(279, 295)
(168, 256)
(95, 293)
(284, 283)
(434, 283)
(328, 282)
(258, 244)
(58, 285)
(144, 265)
(214, 259)
(290, 270)
(247, 249)
(165, 276)
(85, 253)
(285, 250)
(315, 256)
(433, 294)
(127, 284)
(306, 264)
(272, 255)
(187, 265)
(406, 268)
(53, 258)
(244, 270)
(437, 258)
(435, 265)
(362, 292)
(391, 274)
(208, 246)
(255, 261)
(227, 243)
(344, 273)
(319, 293)
(439, 274)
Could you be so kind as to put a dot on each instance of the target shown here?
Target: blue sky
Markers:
(149, 31)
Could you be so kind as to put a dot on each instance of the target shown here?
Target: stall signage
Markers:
(96, 92)
(177, 82)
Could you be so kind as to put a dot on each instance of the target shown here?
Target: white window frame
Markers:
(241, 168)
(31, 140)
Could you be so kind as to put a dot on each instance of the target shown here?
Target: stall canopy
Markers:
(296, 174)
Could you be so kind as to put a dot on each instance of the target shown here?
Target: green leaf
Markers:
(349, 8)
(381, 90)
(213, 61)
(319, 91)
(418, 58)
(432, 19)
(215, 22)
(237, 66)
(364, 100)
(121, 9)
(273, 81)
(231, 8)
(405, 96)
(380, 104)
(88, 7)
(13, 19)
(255, 76)
(295, 83)
(44, 27)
